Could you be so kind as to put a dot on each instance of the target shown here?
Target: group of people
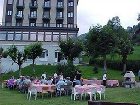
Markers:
(24, 82)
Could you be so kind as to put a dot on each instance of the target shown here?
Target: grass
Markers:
(87, 72)
(134, 56)
(10, 97)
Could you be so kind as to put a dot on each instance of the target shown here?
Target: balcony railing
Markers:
(47, 6)
(59, 18)
(51, 25)
(46, 17)
(17, 16)
(33, 6)
(60, 6)
(32, 16)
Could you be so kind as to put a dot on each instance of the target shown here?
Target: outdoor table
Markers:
(112, 83)
(40, 86)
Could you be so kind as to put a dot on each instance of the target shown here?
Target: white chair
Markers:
(92, 92)
(74, 93)
(32, 91)
(101, 92)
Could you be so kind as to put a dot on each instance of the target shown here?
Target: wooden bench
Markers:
(108, 103)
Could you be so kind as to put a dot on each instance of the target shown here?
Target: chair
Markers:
(53, 90)
(92, 92)
(44, 90)
(101, 91)
(32, 91)
(68, 89)
(61, 90)
(74, 93)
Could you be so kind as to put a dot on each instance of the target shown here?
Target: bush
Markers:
(117, 65)
(68, 70)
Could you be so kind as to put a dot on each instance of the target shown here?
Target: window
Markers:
(59, 14)
(46, 24)
(25, 36)
(9, 13)
(40, 36)
(10, 36)
(10, 1)
(72, 35)
(33, 36)
(2, 35)
(33, 14)
(70, 3)
(70, 14)
(32, 23)
(63, 36)
(46, 14)
(70, 25)
(55, 36)
(18, 23)
(48, 36)
(20, 2)
(19, 13)
(47, 3)
(42, 55)
(59, 24)
(60, 4)
(18, 36)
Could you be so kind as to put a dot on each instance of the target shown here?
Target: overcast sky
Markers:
(92, 12)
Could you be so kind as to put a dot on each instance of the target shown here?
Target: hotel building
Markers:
(46, 21)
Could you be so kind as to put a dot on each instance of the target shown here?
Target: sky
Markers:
(93, 12)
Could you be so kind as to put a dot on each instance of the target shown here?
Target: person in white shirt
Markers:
(44, 75)
(104, 79)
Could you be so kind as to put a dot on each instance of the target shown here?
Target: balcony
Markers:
(18, 16)
(33, 6)
(33, 17)
(59, 18)
(46, 17)
(20, 6)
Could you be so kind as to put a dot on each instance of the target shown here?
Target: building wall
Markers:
(51, 45)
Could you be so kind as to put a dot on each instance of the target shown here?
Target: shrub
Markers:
(68, 70)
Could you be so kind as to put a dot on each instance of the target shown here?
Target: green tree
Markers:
(33, 51)
(17, 56)
(100, 42)
(3, 54)
(71, 49)
(125, 48)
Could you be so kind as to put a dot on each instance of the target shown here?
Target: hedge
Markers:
(117, 65)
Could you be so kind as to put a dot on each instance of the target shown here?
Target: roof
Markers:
(129, 74)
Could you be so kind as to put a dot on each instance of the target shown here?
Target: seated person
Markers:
(60, 83)
(43, 81)
(49, 81)
(67, 81)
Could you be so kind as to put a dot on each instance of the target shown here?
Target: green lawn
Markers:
(134, 56)
(10, 97)
(87, 72)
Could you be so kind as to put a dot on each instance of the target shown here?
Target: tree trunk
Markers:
(0, 73)
(19, 66)
(105, 66)
(33, 66)
(124, 60)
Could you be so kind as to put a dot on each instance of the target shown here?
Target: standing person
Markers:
(78, 78)
(104, 79)
(139, 75)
